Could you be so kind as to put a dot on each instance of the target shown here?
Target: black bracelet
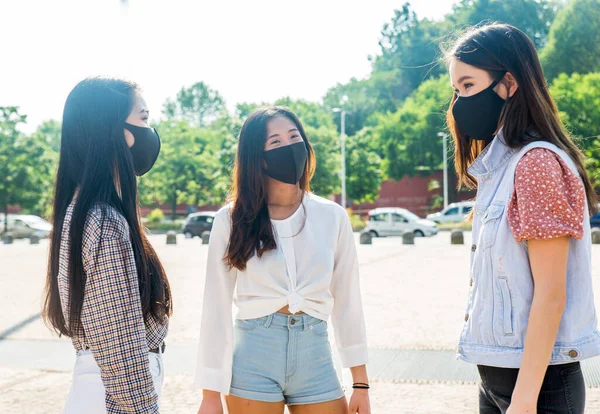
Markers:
(361, 386)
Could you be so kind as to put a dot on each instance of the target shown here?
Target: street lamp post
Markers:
(445, 151)
(343, 149)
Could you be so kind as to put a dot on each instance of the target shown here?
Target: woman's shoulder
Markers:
(542, 161)
(224, 211)
(106, 221)
(224, 215)
(317, 203)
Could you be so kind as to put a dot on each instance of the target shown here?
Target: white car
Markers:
(21, 226)
(454, 213)
(394, 221)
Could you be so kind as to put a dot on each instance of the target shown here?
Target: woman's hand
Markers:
(517, 407)
(359, 402)
(211, 403)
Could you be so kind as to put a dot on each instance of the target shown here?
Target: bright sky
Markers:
(250, 51)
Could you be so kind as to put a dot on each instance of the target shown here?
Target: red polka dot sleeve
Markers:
(549, 199)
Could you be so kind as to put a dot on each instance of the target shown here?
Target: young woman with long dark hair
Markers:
(106, 288)
(530, 317)
(290, 258)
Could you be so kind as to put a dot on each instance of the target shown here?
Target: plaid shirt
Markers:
(112, 325)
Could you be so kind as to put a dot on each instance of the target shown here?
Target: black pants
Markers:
(563, 389)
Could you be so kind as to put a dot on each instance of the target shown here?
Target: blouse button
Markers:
(467, 317)
(573, 353)
(292, 321)
(473, 248)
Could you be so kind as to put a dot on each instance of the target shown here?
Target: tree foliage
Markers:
(363, 167)
(409, 138)
(533, 17)
(186, 170)
(578, 99)
(25, 163)
(198, 104)
(574, 40)
(393, 116)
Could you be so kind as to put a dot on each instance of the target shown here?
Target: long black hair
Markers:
(529, 115)
(96, 166)
(252, 231)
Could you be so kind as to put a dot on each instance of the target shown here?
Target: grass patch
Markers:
(464, 226)
(164, 227)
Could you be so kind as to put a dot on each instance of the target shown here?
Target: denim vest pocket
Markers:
(506, 306)
(490, 224)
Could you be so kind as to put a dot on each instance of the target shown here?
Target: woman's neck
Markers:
(282, 194)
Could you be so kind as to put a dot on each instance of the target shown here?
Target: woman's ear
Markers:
(511, 84)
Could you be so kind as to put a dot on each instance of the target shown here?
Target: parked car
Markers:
(454, 213)
(21, 226)
(197, 223)
(394, 221)
(595, 219)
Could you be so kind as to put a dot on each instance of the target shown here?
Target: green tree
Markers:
(408, 138)
(310, 113)
(409, 55)
(185, 170)
(574, 40)
(49, 133)
(243, 109)
(363, 167)
(409, 52)
(593, 163)
(21, 163)
(198, 104)
(326, 144)
(46, 138)
(227, 132)
(533, 17)
(578, 99)
(363, 98)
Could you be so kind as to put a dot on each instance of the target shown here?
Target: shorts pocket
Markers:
(246, 324)
(319, 329)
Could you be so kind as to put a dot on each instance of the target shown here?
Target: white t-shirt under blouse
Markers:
(314, 270)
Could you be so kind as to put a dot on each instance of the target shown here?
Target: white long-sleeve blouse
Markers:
(314, 270)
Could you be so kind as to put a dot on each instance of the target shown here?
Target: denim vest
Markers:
(501, 281)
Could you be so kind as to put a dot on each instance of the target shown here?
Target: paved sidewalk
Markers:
(43, 392)
(414, 299)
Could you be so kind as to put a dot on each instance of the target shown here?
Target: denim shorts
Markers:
(284, 358)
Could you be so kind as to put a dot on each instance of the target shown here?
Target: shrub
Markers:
(156, 216)
(358, 223)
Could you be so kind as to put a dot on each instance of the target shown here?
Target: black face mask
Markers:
(477, 116)
(145, 149)
(287, 164)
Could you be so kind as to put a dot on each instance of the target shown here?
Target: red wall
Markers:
(412, 194)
